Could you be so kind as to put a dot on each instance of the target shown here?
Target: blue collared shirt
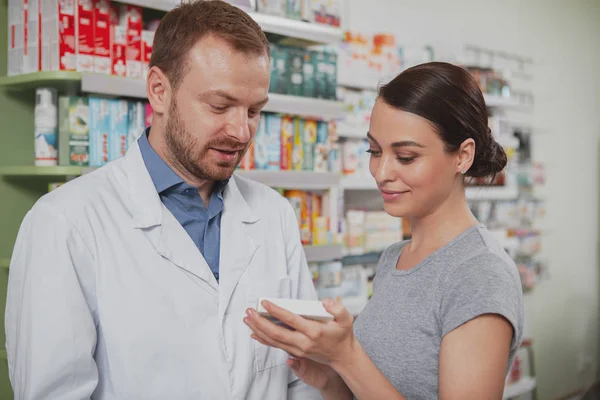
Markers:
(184, 202)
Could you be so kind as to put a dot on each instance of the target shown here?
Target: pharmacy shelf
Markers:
(113, 85)
(510, 192)
(351, 131)
(363, 259)
(126, 87)
(63, 81)
(523, 386)
(3, 355)
(31, 171)
(505, 102)
(358, 182)
(355, 80)
(305, 31)
(293, 179)
(4, 263)
(304, 106)
(321, 253)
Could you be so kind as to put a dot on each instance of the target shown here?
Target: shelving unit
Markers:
(310, 33)
(4, 263)
(305, 180)
(33, 171)
(524, 386)
(315, 254)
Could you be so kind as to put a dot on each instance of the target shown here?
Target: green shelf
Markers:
(65, 81)
(33, 171)
(4, 263)
(3, 355)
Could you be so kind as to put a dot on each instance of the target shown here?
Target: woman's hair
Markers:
(449, 97)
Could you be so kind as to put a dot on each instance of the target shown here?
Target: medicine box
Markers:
(279, 71)
(99, 130)
(102, 33)
(58, 37)
(119, 50)
(135, 118)
(147, 42)
(131, 18)
(309, 309)
(309, 140)
(73, 131)
(261, 144)
(117, 139)
(85, 47)
(287, 142)
(295, 62)
(272, 7)
(298, 147)
(273, 132)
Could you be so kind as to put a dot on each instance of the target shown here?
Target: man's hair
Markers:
(182, 27)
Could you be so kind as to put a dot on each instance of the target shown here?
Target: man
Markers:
(131, 282)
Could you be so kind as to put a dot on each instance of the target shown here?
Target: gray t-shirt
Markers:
(403, 324)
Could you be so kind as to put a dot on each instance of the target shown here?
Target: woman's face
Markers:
(414, 173)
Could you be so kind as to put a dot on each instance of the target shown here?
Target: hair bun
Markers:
(490, 159)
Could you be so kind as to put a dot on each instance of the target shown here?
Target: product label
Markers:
(102, 63)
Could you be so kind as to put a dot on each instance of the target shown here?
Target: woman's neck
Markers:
(433, 231)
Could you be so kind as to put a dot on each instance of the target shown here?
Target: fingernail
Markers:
(246, 321)
(265, 304)
(249, 313)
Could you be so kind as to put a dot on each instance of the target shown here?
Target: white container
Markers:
(46, 127)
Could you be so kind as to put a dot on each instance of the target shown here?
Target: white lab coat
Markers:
(109, 298)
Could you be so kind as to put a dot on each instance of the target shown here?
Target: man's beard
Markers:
(186, 153)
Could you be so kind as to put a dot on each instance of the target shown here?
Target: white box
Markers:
(31, 36)
(16, 32)
(58, 35)
(309, 309)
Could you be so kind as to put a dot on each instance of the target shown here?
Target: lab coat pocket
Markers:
(266, 357)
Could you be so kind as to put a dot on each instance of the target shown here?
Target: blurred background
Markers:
(73, 99)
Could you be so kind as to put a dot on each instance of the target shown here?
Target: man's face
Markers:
(214, 113)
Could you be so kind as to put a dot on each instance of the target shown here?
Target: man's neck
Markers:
(205, 187)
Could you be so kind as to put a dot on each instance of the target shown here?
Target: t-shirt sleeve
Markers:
(483, 285)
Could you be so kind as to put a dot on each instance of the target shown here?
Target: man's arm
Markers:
(301, 288)
(50, 329)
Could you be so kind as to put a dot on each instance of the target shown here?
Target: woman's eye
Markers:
(406, 160)
(374, 153)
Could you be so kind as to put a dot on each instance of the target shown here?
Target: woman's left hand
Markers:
(324, 342)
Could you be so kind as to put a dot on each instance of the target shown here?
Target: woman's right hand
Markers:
(311, 372)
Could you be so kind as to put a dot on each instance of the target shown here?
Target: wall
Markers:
(563, 39)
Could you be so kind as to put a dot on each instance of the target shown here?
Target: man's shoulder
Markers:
(77, 195)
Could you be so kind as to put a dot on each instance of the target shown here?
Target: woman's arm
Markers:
(474, 359)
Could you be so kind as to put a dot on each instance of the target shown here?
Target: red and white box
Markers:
(102, 35)
(58, 36)
(119, 50)
(16, 32)
(147, 40)
(131, 18)
(86, 46)
(31, 36)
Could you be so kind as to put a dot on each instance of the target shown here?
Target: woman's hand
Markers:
(325, 342)
(311, 372)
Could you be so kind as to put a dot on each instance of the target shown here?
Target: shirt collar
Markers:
(161, 174)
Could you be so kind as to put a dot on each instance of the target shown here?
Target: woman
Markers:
(446, 316)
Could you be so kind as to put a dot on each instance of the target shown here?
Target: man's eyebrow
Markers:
(230, 97)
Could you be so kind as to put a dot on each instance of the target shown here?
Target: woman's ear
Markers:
(466, 155)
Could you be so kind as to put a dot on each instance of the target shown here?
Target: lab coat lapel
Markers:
(238, 226)
(161, 228)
